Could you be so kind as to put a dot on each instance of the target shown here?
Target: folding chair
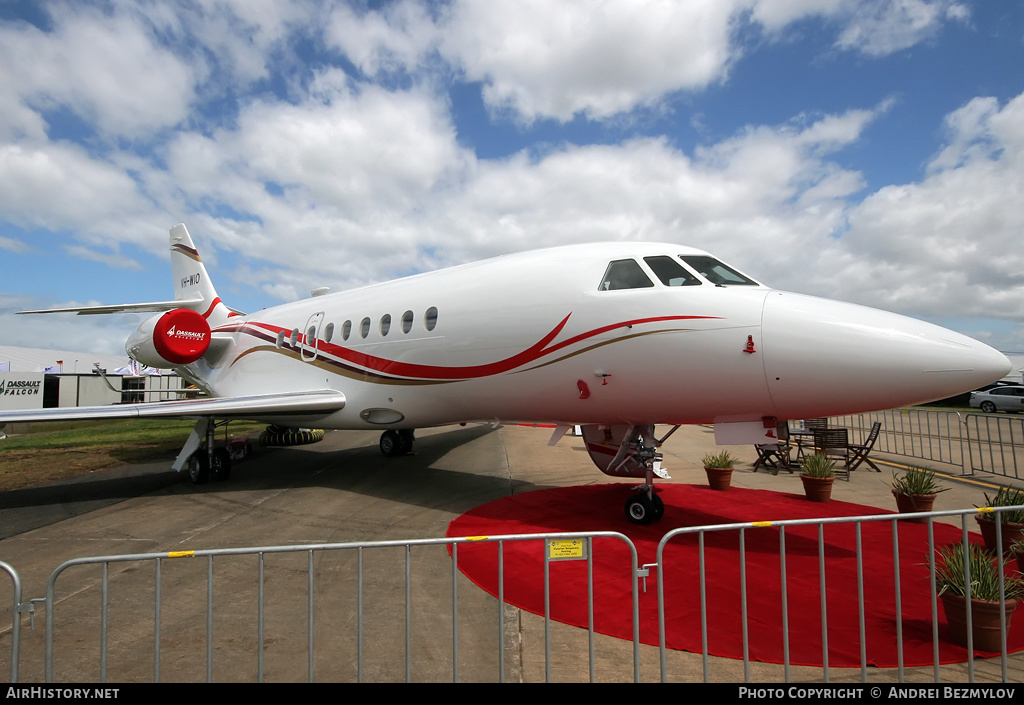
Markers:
(807, 433)
(835, 442)
(859, 453)
(775, 455)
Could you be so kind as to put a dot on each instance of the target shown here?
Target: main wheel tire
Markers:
(390, 444)
(198, 467)
(407, 438)
(221, 469)
(988, 407)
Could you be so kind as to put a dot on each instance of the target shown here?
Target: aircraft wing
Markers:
(315, 403)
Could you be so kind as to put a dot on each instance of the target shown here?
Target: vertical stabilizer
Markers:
(191, 280)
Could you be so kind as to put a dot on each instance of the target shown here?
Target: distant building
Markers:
(36, 378)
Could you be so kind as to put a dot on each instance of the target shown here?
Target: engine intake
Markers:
(177, 337)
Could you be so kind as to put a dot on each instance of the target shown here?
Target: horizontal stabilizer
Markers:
(151, 307)
(317, 403)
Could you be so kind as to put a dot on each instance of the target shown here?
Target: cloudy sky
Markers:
(865, 150)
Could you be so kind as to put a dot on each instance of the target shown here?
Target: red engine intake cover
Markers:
(181, 336)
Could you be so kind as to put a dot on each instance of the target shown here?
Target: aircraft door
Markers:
(604, 443)
(311, 334)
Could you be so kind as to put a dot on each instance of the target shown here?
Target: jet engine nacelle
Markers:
(177, 337)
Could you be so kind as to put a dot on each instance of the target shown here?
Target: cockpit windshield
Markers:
(670, 272)
(716, 272)
(625, 274)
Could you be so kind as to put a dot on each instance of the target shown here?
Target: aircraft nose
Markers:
(826, 358)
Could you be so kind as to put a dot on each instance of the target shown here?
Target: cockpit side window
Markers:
(670, 272)
(716, 272)
(624, 274)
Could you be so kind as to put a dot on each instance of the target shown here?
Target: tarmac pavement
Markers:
(342, 490)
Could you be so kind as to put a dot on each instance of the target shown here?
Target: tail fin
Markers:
(192, 284)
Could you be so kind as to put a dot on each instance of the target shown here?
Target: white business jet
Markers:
(611, 337)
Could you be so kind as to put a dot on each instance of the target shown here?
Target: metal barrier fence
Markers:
(280, 635)
(989, 443)
(927, 434)
(993, 442)
(820, 524)
(353, 573)
(15, 618)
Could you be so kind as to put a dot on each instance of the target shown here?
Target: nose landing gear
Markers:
(645, 507)
(639, 450)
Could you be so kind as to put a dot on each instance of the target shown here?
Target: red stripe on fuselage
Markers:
(436, 372)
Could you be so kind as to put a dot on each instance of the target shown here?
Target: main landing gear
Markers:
(204, 466)
(204, 462)
(199, 456)
(397, 442)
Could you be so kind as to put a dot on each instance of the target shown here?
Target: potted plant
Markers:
(818, 472)
(985, 569)
(718, 467)
(1011, 522)
(915, 491)
(1017, 549)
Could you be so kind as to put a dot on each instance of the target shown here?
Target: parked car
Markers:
(1004, 398)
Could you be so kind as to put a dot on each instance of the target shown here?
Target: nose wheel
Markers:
(645, 507)
(640, 446)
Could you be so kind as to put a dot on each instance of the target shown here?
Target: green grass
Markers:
(56, 451)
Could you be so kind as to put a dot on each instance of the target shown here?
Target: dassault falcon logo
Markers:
(19, 387)
(186, 334)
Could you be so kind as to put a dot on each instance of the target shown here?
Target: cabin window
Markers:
(294, 338)
(280, 339)
(624, 274)
(716, 272)
(385, 324)
(364, 327)
(407, 321)
(670, 272)
(430, 318)
(328, 332)
(346, 330)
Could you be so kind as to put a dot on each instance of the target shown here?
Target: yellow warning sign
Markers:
(567, 549)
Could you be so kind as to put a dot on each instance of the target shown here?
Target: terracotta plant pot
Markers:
(719, 478)
(984, 621)
(913, 503)
(818, 489)
(987, 526)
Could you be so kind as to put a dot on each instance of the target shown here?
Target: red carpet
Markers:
(600, 508)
